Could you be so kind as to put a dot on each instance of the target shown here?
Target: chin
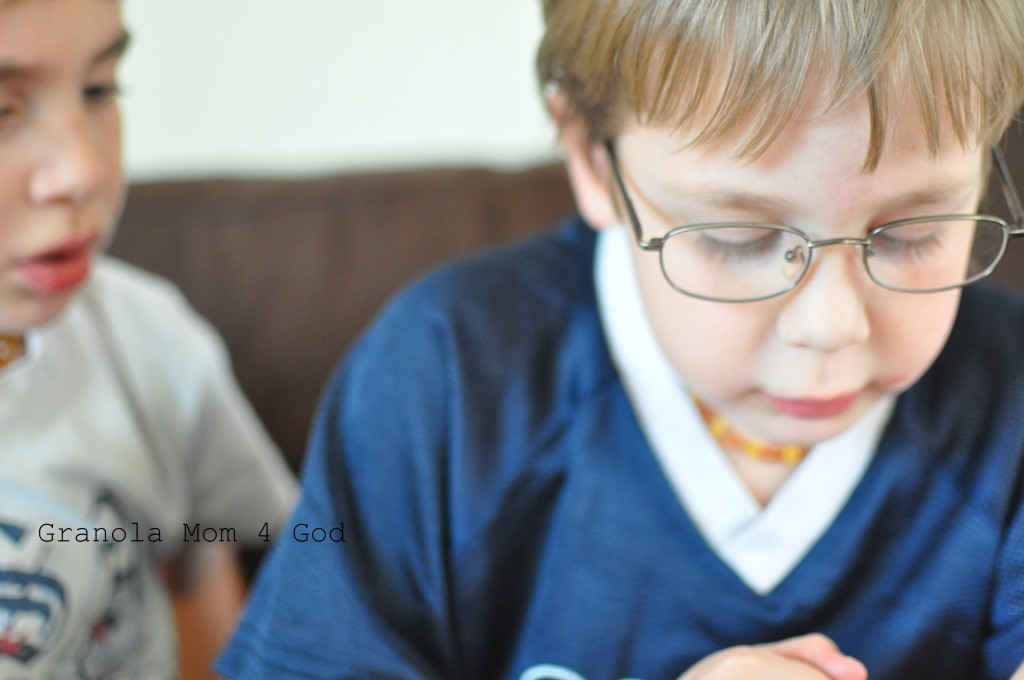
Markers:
(36, 314)
(784, 429)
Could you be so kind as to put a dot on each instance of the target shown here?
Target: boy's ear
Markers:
(586, 164)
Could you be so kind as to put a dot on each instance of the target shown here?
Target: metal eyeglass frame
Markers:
(656, 244)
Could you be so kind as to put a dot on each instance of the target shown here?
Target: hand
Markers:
(810, 657)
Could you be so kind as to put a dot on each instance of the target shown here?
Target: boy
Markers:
(120, 423)
(727, 449)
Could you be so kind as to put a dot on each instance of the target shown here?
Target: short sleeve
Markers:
(221, 468)
(237, 478)
(377, 603)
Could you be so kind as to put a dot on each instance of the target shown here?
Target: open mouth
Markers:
(60, 269)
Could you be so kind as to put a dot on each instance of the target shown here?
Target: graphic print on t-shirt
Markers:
(67, 606)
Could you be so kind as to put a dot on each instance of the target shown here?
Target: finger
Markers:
(744, 663)
(822, 652)
(843, 668)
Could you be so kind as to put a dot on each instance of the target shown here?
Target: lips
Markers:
(59, 270)
(814, 408)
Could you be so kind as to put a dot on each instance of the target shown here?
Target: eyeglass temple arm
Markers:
(634, 221)
(1010, 192)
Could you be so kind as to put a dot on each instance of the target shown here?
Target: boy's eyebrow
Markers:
(10, 70)
(113, 50)
(730, 199)
(947, 189)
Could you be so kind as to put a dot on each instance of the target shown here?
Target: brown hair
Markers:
(741, 68)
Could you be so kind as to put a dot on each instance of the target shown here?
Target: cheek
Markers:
(910, 332)
(113, 191)
(711, 345)
(14, 220)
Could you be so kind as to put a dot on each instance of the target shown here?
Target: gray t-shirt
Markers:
(124, 441)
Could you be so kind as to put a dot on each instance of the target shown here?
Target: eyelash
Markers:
(102, 92)
(908, 250)
(737, 251)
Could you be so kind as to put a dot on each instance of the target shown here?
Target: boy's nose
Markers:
(827, 310)
(71, 164)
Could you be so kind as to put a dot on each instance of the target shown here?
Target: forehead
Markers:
(814, 169)
(38, 33)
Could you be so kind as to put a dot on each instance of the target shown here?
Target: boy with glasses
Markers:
(739, 417)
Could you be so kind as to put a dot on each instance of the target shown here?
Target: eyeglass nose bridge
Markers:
(864, 243)
(792, 255)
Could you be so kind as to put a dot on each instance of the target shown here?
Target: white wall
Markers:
(275, 87)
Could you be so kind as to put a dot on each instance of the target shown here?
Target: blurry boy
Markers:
(119, 419)
(747, 408)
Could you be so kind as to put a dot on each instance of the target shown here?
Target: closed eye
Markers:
(908, 244)
(738, 244)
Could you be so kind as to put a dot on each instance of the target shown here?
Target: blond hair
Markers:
(741, 68)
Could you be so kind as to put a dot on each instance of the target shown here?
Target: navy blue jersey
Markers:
(503, 515)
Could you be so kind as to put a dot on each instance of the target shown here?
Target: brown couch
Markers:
(291, 270)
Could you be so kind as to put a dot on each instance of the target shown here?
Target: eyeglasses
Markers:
(750, 261)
